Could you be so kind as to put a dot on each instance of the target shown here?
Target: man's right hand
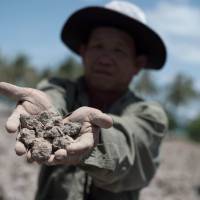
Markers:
(29, 102)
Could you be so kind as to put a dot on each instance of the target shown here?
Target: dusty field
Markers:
(178, 177)
(17, 177)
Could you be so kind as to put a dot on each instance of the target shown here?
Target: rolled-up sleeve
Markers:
(127, 155)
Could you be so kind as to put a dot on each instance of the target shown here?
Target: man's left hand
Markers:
(92, 120)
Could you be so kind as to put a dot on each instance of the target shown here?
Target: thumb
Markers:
(13, 121)
(12, 91)
(102, 120)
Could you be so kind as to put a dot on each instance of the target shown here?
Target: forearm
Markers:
(125, 158)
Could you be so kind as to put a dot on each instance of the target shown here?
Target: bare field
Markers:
(178, 177)
(17, 177)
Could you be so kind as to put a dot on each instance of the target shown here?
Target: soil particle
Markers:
(45, 133)
(61, 143)
(27, 136)
(71, 129)
(41, 150)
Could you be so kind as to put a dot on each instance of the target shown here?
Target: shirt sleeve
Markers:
(127, 156)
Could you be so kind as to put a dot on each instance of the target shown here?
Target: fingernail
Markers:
(20, 149)
(50, 160)
(29, 158)
(60, 154)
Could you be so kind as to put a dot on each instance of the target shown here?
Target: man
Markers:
(116, 154)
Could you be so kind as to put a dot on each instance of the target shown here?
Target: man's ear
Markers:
(141, 62)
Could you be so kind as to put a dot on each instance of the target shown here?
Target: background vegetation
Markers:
(179, 93)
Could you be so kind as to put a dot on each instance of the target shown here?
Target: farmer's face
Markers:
(109, 59)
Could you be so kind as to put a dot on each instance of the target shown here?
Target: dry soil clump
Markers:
(45, 133)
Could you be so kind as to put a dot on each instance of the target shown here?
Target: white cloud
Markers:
(178, 23)
(186, 52)
(176, 19)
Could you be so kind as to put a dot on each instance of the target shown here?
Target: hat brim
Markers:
(78, 27)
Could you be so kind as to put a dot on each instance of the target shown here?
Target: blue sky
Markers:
(33, 27)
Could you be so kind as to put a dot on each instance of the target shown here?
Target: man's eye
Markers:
(96, 46)
(119, 50)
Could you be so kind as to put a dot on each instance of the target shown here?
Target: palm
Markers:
(92, 120)
(35, 101)
(30, 101)
(91, 115)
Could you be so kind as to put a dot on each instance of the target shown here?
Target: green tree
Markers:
(19, 66)
(23, 73)
(46, 73)
(193, 129)
(70, 69)
(181, 91)
(4, 72)
(146, 84)
(18, 71)
(173, 124)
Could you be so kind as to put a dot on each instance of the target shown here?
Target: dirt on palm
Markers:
(45, 133)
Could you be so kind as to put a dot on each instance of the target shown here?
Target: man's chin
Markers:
(103, 75)
(101, 85)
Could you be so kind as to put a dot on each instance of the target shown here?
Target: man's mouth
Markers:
(103, 72)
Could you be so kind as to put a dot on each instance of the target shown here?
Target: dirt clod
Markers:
(41, 150)
(45, 133)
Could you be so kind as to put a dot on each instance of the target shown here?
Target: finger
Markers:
(88, 128)
(50, 161)
(102, 120)
(66, 120)
(53, 161)
(20, 149)
(29, 157)
(88, 139)
(83, 143)
(12, 91)
(60, 154)
(69, 160)
(56, 161)
(13, 121)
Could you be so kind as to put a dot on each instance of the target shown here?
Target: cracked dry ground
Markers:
(178, 177)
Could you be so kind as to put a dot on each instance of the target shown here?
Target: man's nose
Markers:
(106, 57)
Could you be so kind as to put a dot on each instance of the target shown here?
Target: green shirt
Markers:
(121, 164)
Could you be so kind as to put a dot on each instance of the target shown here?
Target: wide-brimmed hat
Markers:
(119, 14)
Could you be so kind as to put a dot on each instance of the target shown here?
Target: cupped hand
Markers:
(29, 102)
(92, 120)
(32, 101)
